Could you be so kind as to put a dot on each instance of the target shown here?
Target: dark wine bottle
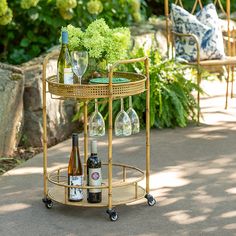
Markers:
(64, 63)
(94, 174)
(75, 172)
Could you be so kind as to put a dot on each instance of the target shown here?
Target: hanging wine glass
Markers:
(122, 122)
(79, 63)
(133, 117)
(96, 123)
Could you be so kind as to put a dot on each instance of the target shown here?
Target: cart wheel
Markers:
(48, 203)
(150, 200)
(113, 215)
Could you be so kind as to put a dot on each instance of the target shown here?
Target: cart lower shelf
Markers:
(125, 187)
(121, 195)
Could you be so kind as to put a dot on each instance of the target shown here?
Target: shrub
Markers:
(172, 102)
(30, 27)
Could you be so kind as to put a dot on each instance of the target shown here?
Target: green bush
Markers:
(30, 27)
(172, 102)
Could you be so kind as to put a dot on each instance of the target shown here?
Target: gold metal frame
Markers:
(138, 84)
(229, 62)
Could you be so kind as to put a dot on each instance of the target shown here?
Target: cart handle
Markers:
(128, 61)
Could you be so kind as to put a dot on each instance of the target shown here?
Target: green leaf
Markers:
(24, 42)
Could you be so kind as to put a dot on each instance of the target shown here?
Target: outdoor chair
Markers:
(197, 40)
(232, 53)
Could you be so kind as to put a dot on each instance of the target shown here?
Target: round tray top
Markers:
(91, 91)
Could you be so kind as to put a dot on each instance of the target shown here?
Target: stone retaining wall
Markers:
(21, 108)
(11, 108)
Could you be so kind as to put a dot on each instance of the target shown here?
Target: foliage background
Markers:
(172, 101)
(30, 27)
(35, 25)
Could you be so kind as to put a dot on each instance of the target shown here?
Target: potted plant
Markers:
(104, 45)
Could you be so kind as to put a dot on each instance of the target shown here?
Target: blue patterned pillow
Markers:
(184, 22)
(215, 48)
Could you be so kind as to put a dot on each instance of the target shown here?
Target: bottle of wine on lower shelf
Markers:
(75, 172)
(94, 174)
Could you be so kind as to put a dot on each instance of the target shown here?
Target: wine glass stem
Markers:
(130, 102)
(121, 104)
(80, 78)
(96, 105)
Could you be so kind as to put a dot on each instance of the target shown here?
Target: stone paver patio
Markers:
(193, 178)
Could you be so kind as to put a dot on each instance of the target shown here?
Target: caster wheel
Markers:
(150, 200)
(48, 203)
(112, 215)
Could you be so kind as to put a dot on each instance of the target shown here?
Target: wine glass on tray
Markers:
(122, 122)
(96, 123)
(79, 63)
(133, 117)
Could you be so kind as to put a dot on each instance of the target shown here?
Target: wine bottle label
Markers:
(95, 179)
(75, 194)
(68, 76)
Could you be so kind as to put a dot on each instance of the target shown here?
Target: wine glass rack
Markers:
(115, 190)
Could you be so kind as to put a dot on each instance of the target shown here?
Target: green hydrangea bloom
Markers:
(95, 45)
(3, 7)
(94, 7)
(27, 4)
(117, 43)
(7, 18)
(66, 4)
(98, 26)
(75, 37)
(94, 38)
(67, 14)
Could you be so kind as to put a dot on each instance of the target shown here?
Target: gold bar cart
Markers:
(111, 190)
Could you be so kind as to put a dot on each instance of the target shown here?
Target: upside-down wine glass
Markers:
(122, 122)
(133, 117)
(96, 123)
(79, 63)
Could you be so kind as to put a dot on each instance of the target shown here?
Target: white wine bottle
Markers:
(75, 172)
(94, 174)
(64, 63)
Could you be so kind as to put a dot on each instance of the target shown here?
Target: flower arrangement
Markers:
(102, 43)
